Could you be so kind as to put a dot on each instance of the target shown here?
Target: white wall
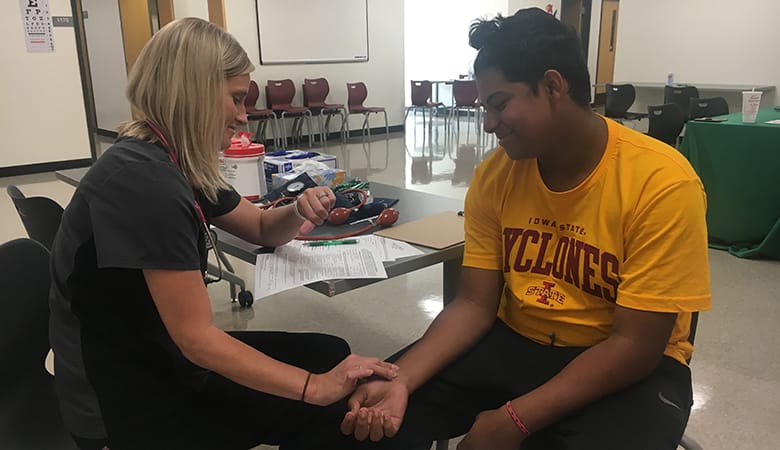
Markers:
(514, 5)
(704, 41)
(383, 73)
(439, 50)
(42, 115)
(595, 24)
(192, 8)
(106, 62)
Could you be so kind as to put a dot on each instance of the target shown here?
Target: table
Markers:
(413, 205)
(436, 84)
(652, 93)
(712, 87)
(739, 165)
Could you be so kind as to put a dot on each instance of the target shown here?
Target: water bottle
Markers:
(670, 79)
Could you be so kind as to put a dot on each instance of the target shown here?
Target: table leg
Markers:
(450, 278)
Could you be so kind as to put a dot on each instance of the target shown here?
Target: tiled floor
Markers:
(736, 368)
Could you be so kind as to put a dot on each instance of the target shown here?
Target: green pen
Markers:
(337, 242)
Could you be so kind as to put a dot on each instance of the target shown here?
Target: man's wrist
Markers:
(518, 423)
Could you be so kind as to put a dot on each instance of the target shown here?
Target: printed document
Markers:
(296, 264)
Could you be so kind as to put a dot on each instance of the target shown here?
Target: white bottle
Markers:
(670, 79)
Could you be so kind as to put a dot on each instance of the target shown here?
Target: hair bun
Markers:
(483, 31)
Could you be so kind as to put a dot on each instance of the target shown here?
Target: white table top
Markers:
(716, 87)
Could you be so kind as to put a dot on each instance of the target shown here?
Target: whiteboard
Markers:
(312, 31)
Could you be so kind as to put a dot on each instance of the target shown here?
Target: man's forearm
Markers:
(456, 329)
(599, 371)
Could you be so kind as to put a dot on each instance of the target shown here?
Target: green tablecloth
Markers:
(739, 164)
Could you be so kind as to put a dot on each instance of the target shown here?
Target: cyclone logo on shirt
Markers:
(546, 294)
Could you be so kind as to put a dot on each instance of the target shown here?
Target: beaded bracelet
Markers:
(516, 419)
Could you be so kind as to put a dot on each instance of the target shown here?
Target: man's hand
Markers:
(376, 410)
(493, 430)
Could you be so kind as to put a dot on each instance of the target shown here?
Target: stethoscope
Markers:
(338, 216)
(211, 237)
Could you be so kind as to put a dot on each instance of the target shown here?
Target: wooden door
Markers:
(577, 14)
(136, 28)
(607, 43)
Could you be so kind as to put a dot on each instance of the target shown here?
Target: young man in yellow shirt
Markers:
(585, 255)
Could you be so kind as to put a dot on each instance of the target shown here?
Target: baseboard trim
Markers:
(28, 169)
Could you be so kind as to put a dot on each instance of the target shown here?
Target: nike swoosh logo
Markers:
(666, 401)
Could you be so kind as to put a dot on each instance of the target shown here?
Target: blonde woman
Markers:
(139, 362)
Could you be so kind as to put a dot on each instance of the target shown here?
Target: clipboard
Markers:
(438, 231)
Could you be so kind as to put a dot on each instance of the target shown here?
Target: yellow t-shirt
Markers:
(633, 233)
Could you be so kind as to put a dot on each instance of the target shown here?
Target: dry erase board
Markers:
(312, 31)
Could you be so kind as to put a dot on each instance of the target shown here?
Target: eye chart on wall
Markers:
(36, 23)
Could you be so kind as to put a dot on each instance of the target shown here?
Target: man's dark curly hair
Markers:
(524, 45)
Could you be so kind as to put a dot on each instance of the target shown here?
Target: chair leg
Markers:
(430, 124)
(689, 443)
(342, 132)
(283, 130)
(468, 129)
(364, 128)
(260, 132)
(308, 125)
(387, 127)
(296, 130)
(277, 136)
(326, 128)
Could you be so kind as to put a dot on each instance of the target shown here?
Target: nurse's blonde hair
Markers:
(177, 83)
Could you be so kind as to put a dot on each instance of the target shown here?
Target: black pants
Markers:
(651, 414)
(226, 415)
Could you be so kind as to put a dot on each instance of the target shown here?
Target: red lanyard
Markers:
(175, 161)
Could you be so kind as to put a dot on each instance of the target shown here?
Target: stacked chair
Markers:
(356, 96)
(421, 101)
(279, 96)
(315, 92)
(681, 96)
(262, 116)
(666, 122)
(708, 107)
(619, 98)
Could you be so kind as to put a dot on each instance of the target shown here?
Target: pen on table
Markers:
(336, 242)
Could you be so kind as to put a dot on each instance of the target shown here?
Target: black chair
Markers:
(29, 410)
(665, 122)
(687, 442)
(619, 98)
(708, 107)
(40, 216)
(681, 96)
